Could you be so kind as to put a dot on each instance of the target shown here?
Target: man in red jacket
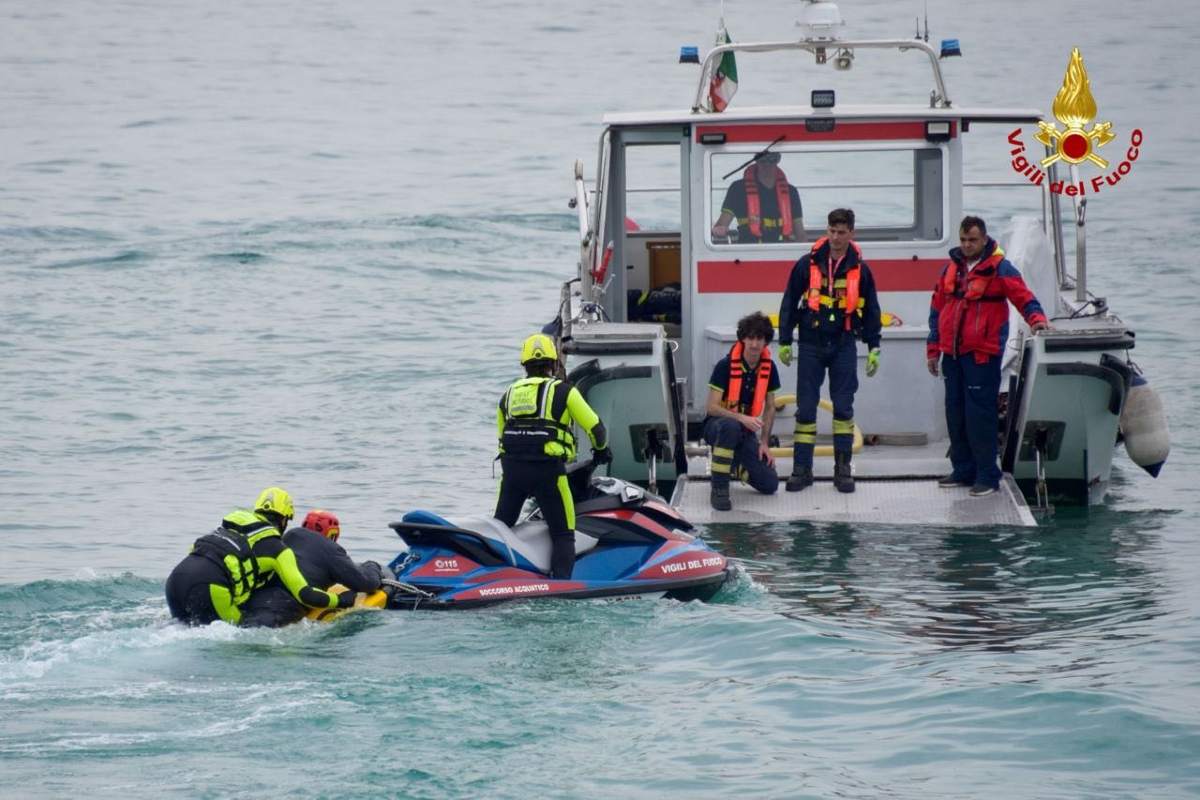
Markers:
(968, 328)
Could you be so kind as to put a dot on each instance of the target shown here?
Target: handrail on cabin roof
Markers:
(939, 99)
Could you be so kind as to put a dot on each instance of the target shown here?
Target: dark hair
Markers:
(275, 518)
(841, 216)
(972, 222)
(540, 368)
(755, 325)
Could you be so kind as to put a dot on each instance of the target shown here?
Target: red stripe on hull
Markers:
(689, 564)
(842, 131)
(748, 277)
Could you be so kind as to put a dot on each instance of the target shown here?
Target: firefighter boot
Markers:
(800, 479)
(843, 480)
(720, 493)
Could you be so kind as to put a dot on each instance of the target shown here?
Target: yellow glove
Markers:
(872, 362)
(785, 354)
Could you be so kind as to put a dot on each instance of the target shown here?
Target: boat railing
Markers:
(1053, 223)
(1080, 206)
(820, 49)
(1051, 202)
(580, 204)
(1044, 195)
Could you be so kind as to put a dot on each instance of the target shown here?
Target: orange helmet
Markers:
(324, 523)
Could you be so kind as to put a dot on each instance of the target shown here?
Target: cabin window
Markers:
(652, 192)
(896, 194)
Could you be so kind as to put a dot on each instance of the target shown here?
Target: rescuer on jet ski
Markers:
(224, 567)
(322, 560)
(534, 420)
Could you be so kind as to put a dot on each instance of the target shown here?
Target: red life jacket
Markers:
(846, 299)
(733, 392)
(973, 284)
(783, 199)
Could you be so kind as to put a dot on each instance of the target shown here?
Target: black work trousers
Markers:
(546, 482)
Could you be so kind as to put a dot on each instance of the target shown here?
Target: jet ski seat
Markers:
(529, 542)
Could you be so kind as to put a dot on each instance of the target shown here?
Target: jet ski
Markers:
(627, 542)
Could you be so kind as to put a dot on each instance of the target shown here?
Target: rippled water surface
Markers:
(297, 244)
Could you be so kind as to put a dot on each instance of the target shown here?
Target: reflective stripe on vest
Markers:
(733, 392)
(530, 428)
(977, 280)
(847, 298)
(783, 199)
(232, 548)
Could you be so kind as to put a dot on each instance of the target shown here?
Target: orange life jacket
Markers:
(847, 299)
(976, 280)
(783, 199)
(733, 392)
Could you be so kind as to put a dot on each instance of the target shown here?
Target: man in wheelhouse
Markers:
(741, 411)
(766, 207)
(830, 301)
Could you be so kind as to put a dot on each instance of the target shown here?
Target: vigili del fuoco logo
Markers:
(1075, 108)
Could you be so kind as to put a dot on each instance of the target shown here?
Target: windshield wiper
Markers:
(755, 157)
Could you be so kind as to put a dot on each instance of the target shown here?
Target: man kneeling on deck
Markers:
(741, 410)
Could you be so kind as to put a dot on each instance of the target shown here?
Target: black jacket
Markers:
(324, 562)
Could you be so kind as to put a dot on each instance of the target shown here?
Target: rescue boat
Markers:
(653, 305)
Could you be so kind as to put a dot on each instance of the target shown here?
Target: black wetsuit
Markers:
(324, 562)
(534, 422)
(188, 594)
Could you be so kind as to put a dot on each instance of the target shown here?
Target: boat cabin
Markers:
(900, 172)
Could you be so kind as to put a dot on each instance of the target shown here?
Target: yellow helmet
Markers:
(538, 347)
(275, 501)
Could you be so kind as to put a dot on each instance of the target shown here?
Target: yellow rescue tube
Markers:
(782, 400)
(362, 601)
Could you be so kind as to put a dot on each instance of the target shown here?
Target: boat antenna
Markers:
(755, 157)
(926, 34)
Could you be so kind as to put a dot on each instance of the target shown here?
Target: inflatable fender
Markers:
(1144, 426)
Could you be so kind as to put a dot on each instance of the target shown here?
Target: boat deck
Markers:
(896, 485)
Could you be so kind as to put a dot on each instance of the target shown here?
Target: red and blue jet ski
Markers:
(627, 542)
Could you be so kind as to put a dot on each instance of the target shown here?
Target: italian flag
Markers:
(724, 80)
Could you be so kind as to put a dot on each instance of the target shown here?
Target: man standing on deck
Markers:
(741, 411)
(766, 207)
(968, 327)
(831, 299)
(534, 419)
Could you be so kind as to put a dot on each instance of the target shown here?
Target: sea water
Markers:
(299, 244)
